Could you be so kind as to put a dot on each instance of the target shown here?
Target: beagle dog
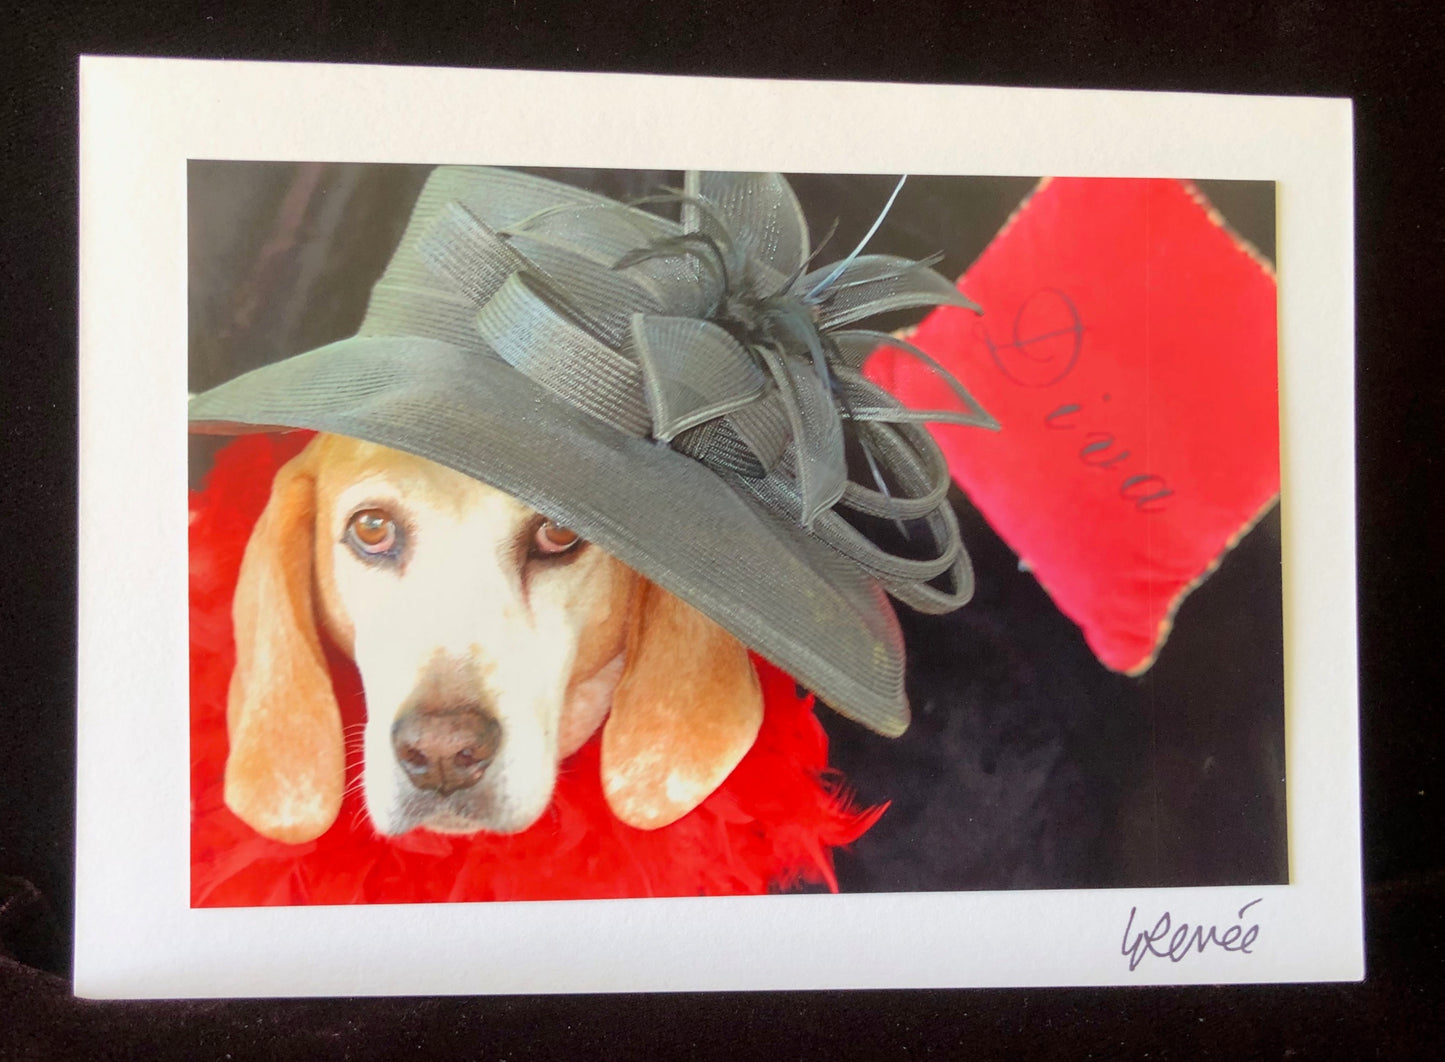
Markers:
(491, 642)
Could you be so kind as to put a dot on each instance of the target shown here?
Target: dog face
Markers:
(491, 644)
(489, 640)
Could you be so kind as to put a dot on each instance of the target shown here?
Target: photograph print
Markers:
(590, 533)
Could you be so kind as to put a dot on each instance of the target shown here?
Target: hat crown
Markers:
(705, 333)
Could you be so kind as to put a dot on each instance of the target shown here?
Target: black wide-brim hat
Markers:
(679, 392)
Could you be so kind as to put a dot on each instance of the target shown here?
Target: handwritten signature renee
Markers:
(1184, 939)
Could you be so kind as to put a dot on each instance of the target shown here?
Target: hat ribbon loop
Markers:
(766, 415)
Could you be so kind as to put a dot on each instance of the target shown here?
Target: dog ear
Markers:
(286, 769)
(684, 714)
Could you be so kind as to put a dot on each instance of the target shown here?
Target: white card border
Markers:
(136, 935)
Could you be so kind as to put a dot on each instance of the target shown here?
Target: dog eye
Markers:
(551, 538)
(372, 532)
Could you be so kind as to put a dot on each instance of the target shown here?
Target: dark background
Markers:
(1385, 56)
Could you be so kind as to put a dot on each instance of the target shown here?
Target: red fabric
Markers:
(1128, 349)
(770, 826)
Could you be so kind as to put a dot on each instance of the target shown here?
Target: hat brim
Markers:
(783, 593)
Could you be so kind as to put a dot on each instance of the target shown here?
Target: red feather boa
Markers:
(770, 826)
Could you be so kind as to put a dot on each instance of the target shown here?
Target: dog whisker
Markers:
(359, 818)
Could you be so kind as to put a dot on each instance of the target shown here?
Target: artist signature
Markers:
(1174, 942)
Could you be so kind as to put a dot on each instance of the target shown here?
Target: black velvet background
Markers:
(1385, 57)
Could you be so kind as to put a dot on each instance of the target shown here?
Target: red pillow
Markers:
(1128, 349)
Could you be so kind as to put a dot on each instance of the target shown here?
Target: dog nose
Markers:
(446, 751)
